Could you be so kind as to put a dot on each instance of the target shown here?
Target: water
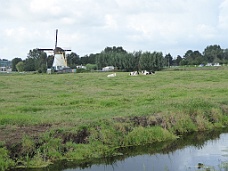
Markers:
(209, 149)
(211, 154)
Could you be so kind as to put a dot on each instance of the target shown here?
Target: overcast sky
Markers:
(88, 26)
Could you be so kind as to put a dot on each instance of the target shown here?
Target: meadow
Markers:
(81, 116)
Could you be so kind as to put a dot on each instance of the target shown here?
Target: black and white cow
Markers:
(134, 73)
(145, 72)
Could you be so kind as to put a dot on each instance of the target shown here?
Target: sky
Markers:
(89, 26)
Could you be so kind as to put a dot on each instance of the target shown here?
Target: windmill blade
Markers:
(56, 35)
(45, 49)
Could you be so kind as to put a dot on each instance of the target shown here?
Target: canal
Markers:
(198, 151)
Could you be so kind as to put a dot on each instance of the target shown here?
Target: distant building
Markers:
(209, 64)
(5, 63)
(108, 68)
(2, 69)
(5, 69)
(80, 67)
(217, 64)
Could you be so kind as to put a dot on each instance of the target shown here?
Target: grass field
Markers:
(164, 105)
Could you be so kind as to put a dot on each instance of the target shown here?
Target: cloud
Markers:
(88, 26)
(223, 15)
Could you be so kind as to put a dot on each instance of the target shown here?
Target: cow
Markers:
(134, 73)
(145, 72)
(111, 75)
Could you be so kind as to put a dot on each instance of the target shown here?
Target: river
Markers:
(201, 151)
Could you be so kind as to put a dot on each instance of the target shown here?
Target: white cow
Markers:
(111, 75)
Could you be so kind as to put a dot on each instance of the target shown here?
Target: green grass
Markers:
(166, 104)
(55, 98)
(44, 99)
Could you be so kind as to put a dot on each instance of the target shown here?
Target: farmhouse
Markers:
(2, 69)
(5, 69)
(217, 64)
(108, 68)
(5, 63)
(209, 64)
(80, 67)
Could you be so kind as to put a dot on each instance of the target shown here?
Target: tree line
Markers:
(122, 60)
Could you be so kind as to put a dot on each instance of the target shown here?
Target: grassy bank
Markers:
(44, 118)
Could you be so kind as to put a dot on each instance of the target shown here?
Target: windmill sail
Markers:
(60, 61)
(56, 34)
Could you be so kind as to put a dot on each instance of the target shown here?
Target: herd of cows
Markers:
(135, 73)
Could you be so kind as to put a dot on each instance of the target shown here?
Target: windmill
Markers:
(60, 61)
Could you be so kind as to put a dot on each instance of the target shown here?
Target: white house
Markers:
(81, 67)
(217, 64)
(2, 69)
(108, 68)
(209, 64)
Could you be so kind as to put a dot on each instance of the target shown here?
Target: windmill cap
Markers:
(59, 50)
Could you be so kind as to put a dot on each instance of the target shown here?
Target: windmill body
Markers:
(60, 61)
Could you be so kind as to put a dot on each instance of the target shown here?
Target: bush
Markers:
(81, 70)
(90, 67)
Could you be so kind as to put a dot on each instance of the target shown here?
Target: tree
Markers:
(114, 49)
(128, 62)
(20, 66)
(116, 59)
(225, 56)
(43, 68)
(38, 58)
(194, 58)
(151, 61)
(29, 64)
(50, 60)
(84, 60)
(178, 60)
(92, 58)
(198, 58)
(91, 67)
(73, 60)
(168, 60)
(212, 53)
(14, 63)
(187, 58)
(136, 56)
(42, 62)
(110, 56)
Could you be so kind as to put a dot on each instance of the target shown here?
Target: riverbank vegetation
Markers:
(45, 118)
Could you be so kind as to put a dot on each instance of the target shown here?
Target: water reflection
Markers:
(186, 154)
